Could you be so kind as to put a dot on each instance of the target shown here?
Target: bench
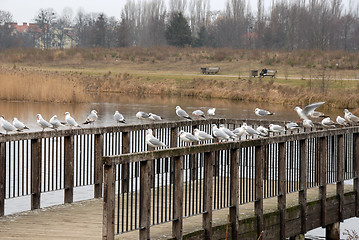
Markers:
(269, 73)
(210, 70)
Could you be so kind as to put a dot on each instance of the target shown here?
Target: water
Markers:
(129, 106)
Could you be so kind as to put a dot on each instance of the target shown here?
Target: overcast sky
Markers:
(25, 11)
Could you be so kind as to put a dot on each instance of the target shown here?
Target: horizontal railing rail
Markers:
(171, 184)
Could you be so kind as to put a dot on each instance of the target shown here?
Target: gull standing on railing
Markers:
(211, 112)
(119, 117)
(7, 126)
(154, 117)
(341, 121)
(71, 121)
(42, 122)
(182, 113)
(262, 112)
(153, 141)
(187, 137)
(55, 122)
(350, 117)
(201, 135)
(218, 133)
(19, 125)
(91, 118)
(198, 114)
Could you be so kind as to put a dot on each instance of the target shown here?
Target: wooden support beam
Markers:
(303, 183)
(356, 172)
(323, 179)
(125, 167)
(2, 178)
(174, 137)
(98, 171)
(340, 176)
(108, 227)
(208, 195)
(258, 204)
(35, 173)
(177, 223)
(234, 190)
(145, 199)
(282, 191)
(69, 169)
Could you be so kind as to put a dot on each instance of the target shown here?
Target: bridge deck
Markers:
(83, 220)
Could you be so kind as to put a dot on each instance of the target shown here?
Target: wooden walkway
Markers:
(83, 220)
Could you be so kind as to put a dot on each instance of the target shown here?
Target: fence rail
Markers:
(181, 182)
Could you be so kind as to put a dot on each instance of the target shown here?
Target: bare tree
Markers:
(45, 20)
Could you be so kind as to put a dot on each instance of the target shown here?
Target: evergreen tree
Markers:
(178, 33)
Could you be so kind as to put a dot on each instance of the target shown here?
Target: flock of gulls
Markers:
(221, 133)
(224, 134)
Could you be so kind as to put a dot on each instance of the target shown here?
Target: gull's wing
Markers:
(311, 107)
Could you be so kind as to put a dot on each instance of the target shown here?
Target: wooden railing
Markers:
(32, 163)
(169, 184)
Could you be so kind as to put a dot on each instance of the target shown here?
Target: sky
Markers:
(25, 11)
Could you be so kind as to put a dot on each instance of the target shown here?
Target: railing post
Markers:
(2, 178)
(174, 137)
(356, 172)
(177, 223)
(234, 174)
(108, 227)
(69, 169)
(282, 192)
(35, 173)
(340, 177)
(125, 170)
(303, 184)
(208, 195)
(98, 166)
(258, 204)
(323, 179)
(145, 199)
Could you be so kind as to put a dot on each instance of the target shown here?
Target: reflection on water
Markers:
(129, 105)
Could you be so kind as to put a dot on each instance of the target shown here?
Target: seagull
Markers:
(201, 135)
(42, 122)
(239, 131)
(218, 133)
(142, 115)
(341, 121)
(119, 117)
(350, 117)
(71, 121)
(262, 112)
(19, 125)
(307, 123)
(307, 110)
(8, 127)
(211, 112)
(182, 113)
(198, 113)
(154, 117)
(263, 130)
(91, 118)
(153, 141)
(249, 131)
(276, 128)
(316, 114)
(328, 123)
(227, 131)
(187, 137)
(55, 122)
(292, 126)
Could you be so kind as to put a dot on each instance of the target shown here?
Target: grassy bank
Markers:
(74, 73)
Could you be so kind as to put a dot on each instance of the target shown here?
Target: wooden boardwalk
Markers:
(83, 220)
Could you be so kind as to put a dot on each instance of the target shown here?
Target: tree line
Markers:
(286, 25)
